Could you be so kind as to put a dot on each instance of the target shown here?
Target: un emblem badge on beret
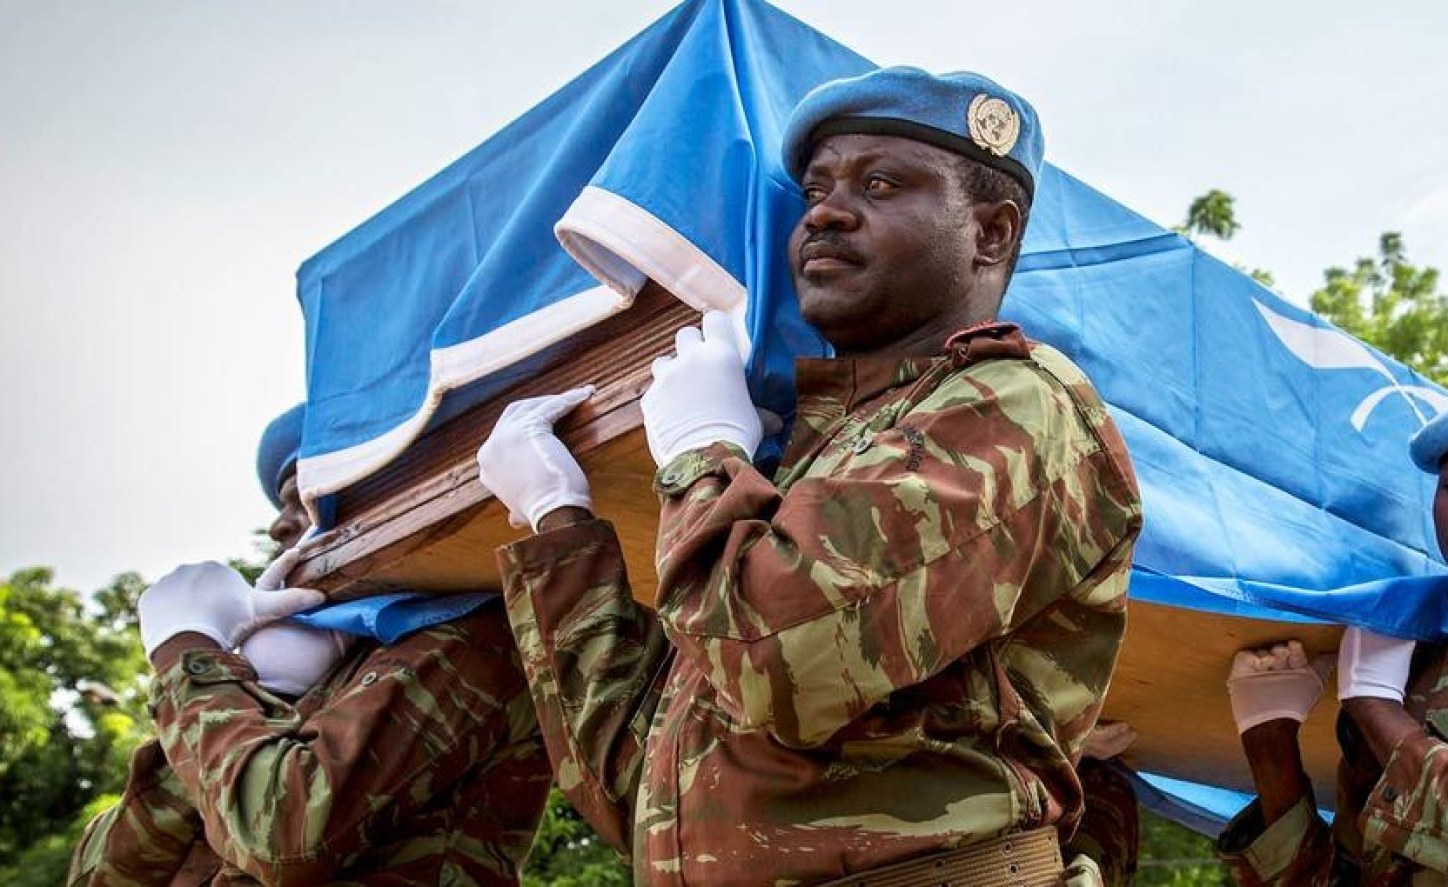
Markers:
(993, 124)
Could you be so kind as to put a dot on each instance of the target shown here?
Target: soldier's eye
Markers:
(878, 185)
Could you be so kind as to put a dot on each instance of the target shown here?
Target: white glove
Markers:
(1274, 683)
(1371, 664)
(216, 601)
(276, 572)
(290, 658)
(526, 466)
(699, 396)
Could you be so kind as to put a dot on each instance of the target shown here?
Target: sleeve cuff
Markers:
(543, 550)
(1395, 802)
(206, 667)
(685, 469)
(1269, 849)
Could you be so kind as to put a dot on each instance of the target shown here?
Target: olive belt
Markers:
(1023, 859)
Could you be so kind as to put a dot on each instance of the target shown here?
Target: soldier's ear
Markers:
(997, 230)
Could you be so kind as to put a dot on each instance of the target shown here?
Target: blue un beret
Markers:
(1430, 443)
(276, 455)
(961, 112)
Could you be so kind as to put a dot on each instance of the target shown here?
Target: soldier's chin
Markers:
(831, 313)
(818, 317)
(823, 307)
(843, 333)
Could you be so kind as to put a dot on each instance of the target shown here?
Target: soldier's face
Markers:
(292, 521)
(886, 243)
(1440, 509)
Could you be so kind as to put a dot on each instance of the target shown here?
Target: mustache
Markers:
(828, 243)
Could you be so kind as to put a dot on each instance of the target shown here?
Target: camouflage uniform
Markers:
(1110, 829)
(1391, 825)
(896, 648)
(416, 763)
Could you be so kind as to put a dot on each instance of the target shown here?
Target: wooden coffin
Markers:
(424, 522)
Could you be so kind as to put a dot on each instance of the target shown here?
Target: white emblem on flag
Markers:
(1326, 348)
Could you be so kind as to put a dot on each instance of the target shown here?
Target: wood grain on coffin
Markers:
(621, 476)
(425, 522)
(1171, 686)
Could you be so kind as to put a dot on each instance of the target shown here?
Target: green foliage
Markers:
(44, 863)
(568, 853)
(1391, 304)
(1263, 277)
(72, 706)
(1212, 213)
(1172, 856)
(1385, 300)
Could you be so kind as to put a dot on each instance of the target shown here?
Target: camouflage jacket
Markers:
(1391, 825)
(897, 647)
(416, 763)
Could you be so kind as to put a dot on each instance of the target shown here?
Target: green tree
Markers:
(1213, 213)
(1392, 304)
(1173, 856)
(72, 705)
(569, 853)
(72, 709)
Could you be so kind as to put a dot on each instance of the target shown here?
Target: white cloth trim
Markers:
(450, 368)
(622, 244)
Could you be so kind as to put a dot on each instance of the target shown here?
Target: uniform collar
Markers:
(851, 381)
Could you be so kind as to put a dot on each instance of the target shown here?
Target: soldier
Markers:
(882, 662)
(1391, 825)
(266, 788)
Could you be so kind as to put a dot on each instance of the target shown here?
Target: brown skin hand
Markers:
(1276, 763)
(1383, 723)
(892, 256)
(1272, 749)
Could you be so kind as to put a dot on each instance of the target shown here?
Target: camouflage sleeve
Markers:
(148, 836)
(1407, 811)
(596, 662)
(987, 502)
(1295, 850)
(288, 799)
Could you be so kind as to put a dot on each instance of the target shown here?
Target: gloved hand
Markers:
(699, 396)
(290, 658)
(276, 572)
(1276, 682)
(526, 466)
(216, 601)
(1373, 665)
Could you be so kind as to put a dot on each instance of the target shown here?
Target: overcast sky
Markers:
(165, 165)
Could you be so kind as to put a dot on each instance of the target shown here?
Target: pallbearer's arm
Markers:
(596, 663)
